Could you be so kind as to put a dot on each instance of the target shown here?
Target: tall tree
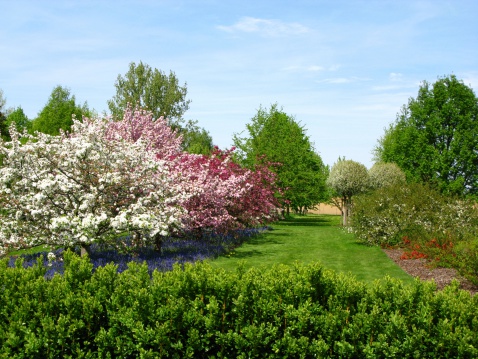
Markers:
(435, 137)
(273, 136)
(347, 178)
(58, 112)
(150, 89)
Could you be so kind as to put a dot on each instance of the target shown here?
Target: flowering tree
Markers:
(82, 188)
(347, 178)
(220, 195)
(385, 174)
(224, 196)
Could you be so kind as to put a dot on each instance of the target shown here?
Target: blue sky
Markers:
(343, 69)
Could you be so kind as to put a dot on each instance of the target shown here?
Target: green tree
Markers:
(150, 89)
(18, 117)
(58, 111)
(3, 116)
(196, 139)
(385, 174)
(435, 137)
(346, 179)
(273, 136)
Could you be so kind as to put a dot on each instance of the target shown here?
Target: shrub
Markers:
(196, 311)
(386, 215)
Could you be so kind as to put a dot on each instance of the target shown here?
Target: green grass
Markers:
(313, 238)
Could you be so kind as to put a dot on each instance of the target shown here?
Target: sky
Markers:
(342, 69)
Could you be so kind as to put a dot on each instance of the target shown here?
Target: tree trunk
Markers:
(158, 242)
(85, 250)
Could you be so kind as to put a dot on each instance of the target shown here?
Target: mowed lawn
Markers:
(313, 238)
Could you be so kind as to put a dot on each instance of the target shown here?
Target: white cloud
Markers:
(342, 80)
(395, 76)
(267, 27)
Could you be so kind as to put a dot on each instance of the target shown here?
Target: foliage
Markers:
(150, 89)
(21, 121)
(82, 188)
(435, 137)
(59, 112)
(195, 311)
(196, 140)
(416, 211)
(385, 174)
(221, 195)
(3, 116)
(275, 137)
(346, 179)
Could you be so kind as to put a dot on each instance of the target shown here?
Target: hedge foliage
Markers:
(195, 311)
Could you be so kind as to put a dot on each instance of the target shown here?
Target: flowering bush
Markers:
(82, 188)
(221, 195)
(107, 178)
(388, 214)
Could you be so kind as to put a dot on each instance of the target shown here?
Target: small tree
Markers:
(83, 188)
(385, 174)
(347, 178)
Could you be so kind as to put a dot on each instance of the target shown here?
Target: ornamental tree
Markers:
(347, 178)
(220, 195)
(83, 188)
(224, 196)
(385, 174)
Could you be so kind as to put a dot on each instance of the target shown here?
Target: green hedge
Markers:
(200, 312)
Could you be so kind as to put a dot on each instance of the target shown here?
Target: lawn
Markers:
(313, 238)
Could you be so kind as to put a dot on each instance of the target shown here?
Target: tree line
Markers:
(434, 139)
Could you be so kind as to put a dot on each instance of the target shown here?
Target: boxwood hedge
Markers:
(195, 311)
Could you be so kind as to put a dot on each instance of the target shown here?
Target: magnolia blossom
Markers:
(82, 188)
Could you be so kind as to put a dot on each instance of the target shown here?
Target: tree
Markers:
(21, 121)
(219, 195)
(3, 117)
(347, 178)
(195, 139)
(275, 137)
(435, 137)
(58, 112)
(385, 174)
(150, 89)
(84, 187)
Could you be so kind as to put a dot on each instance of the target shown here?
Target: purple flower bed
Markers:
(173, 251)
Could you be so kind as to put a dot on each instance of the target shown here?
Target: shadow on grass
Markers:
(313, 221)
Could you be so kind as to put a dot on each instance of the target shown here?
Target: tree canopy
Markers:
(58, 112)
(435, 137)
(151, 89)
(346, 179)
(385, 174)
(275, 137)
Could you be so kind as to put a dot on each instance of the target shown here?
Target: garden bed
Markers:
(423, 269)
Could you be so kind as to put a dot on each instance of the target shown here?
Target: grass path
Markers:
(310, 239)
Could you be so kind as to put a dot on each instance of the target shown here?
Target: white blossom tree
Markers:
(82, 188)
(347, 178)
